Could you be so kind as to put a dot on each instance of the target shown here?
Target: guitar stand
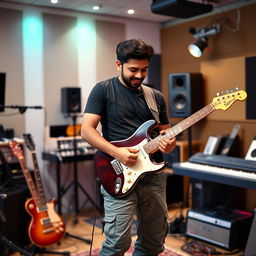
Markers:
(34, 250)
(88, 241)
(15, 247)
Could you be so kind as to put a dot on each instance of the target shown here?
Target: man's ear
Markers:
(118, 65)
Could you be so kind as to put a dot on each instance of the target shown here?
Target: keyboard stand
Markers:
(55, 158)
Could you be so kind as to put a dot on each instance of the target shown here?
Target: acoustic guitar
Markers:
(118, 179)
(46, 226)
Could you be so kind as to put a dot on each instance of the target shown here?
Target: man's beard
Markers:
(128, 82)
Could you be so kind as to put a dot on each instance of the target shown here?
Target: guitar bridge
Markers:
(117, 166)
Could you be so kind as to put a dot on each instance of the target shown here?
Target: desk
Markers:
(54, 157)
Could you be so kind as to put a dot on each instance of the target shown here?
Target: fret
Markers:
(39, 184)
(29, 180)
(153, 144)
(217, 103)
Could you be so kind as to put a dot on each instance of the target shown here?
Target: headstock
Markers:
(29, 141)
(16, 149)
(224, 101)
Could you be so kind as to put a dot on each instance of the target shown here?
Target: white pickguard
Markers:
(144, 164)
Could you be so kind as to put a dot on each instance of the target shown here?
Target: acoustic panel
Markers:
(250, 67)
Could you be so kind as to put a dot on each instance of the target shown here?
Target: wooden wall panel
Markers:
(222, 66)
(220, 76)
(227, 49)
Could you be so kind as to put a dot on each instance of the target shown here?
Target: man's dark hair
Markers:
(133, 49)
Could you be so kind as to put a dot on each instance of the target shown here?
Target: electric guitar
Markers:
(118, 179)
(46, 226)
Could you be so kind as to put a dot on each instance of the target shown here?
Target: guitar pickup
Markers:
(45, 222)
(117, 166)
(49, 230)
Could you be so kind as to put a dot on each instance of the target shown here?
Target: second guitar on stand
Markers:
(46, 226)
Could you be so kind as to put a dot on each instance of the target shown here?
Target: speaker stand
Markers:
(75, 182)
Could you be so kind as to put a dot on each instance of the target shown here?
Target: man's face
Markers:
(133, 72)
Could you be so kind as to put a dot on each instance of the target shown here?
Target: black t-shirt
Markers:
(122, 109)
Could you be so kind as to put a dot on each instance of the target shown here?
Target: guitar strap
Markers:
(151, 101)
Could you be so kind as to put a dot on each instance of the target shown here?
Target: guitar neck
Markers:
(153, 145)
(29, 180)
(39, 184)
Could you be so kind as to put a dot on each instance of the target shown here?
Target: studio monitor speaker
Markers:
(70, 100)
(185, 93)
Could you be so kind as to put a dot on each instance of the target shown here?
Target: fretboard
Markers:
(29, 180)
(153, 144)
(38, 180)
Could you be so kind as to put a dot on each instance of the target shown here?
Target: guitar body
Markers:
(118, 179)
(46, 226)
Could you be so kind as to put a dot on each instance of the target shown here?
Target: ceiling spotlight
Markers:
(130, 11)
(196, 49)
(54, 1)
(96, 7)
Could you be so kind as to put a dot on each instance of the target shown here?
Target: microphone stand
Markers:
(22, 109)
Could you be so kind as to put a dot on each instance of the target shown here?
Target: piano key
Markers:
(221, 175)
(219, 170)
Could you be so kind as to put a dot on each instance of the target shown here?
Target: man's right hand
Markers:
(127, 156)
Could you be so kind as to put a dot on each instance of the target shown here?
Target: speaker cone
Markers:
(180, 102)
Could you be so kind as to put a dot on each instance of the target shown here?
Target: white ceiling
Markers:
(111, 7)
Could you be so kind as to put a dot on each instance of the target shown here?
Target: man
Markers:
(118, 103)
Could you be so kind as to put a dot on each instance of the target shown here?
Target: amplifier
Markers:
(225, 228)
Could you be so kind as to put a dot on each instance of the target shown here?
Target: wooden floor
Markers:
(84, 230)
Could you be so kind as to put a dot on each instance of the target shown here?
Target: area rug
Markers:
(98, 223)
(95, 252)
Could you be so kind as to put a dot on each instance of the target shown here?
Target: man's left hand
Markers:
(166, 146)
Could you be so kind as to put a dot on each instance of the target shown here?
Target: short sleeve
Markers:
(96, 100)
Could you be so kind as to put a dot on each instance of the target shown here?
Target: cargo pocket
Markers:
(109, 226)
